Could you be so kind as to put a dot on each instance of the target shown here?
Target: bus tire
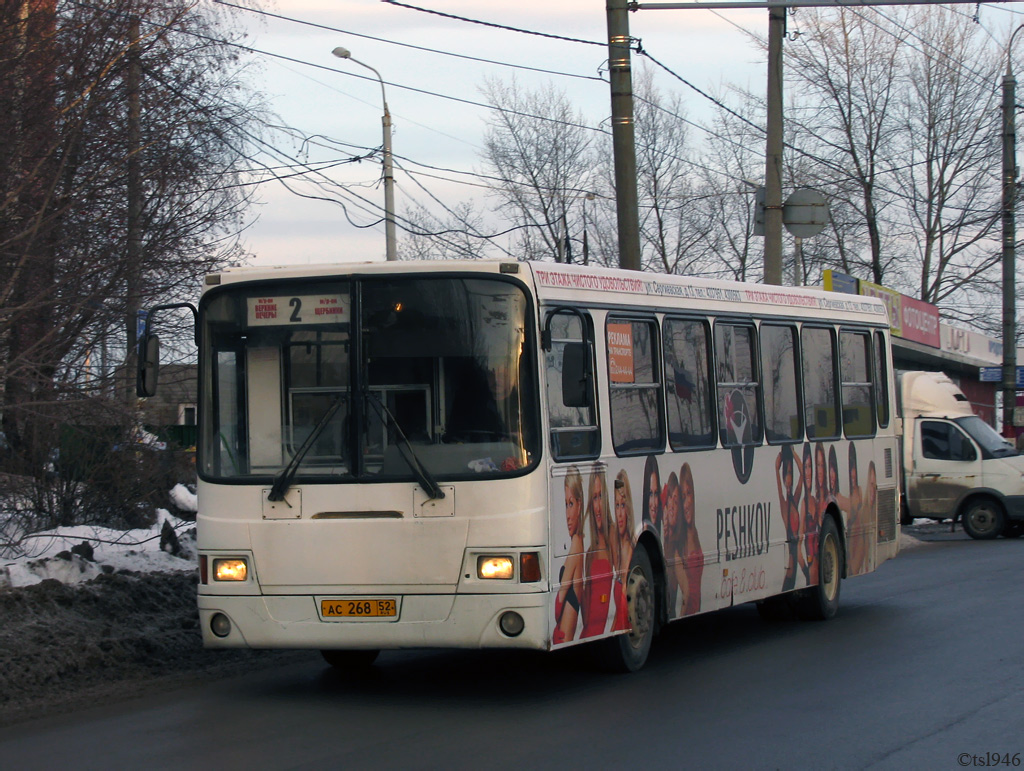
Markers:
(821, 601)
(983, 519)
(628, 652)
(351, 659)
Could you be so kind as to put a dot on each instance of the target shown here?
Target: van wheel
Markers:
(628, 652)
(821, 602)
(350, 660)
(983, 519)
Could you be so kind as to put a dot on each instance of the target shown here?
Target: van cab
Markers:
(955, 465)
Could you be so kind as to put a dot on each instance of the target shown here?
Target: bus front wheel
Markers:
(350, 660)
(821, 601)
(628, 652)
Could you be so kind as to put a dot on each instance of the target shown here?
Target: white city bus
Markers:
(528, 455)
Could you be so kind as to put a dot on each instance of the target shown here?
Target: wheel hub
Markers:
(640, 601)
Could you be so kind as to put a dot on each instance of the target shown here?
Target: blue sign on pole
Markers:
(995, 375)
(990, 374)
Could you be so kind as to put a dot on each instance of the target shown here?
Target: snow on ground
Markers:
(73, 555)
(83, 625)
(60, 554)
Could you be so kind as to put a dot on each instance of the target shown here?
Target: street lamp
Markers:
(1009, 384)
(586, 246)
(389, 177)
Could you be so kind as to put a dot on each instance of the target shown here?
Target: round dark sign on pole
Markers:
(805, 213)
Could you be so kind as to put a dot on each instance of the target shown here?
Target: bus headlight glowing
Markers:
(494, 567)
(230, 570)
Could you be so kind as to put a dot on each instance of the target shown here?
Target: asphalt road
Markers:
(921, 669)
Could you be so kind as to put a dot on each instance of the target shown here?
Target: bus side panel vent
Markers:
(887, 461)
(887, 515)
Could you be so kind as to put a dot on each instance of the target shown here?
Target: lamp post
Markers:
(1009, 384)
(389, 177)
(586, 244)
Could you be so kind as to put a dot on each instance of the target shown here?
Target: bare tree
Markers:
(540, 151)
(846, 70)
(70, 74)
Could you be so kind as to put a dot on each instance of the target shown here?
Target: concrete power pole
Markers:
(623, 134)
(773, 150)
(1009, 385)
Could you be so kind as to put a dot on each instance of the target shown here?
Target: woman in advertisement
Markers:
(652, 495)
(567, 603)
(855, 523)
(789, 505)
(672, 534)
(623, 546)
(693, 555)
(815, 511)
(808, 507)
(597, 586)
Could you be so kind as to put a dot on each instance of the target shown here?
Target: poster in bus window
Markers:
(620, 353)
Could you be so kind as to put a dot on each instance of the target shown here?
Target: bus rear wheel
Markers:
(821, 601)
(350, 660)
(628, 652)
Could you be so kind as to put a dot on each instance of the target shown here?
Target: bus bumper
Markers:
(424, 621)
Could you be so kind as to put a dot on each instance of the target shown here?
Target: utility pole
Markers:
(1009, 384)
(133, 251)
(773, 150)
(623, 134)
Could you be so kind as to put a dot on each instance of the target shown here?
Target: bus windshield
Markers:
(360, 380)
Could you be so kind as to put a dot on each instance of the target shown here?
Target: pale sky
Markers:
(343, 102)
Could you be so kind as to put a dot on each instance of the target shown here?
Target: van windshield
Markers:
(991, 442)
(346, 379)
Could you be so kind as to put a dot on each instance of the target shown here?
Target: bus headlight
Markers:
(494, 567)
(230, 570)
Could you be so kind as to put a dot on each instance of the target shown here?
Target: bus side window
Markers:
(857, 391)
(570, 398)
(881, 380)
(739, 412)
(688, 384)
(634, 386)
(818, 346)
(783, 421)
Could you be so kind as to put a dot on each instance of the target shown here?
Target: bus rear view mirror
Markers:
(575, 375)
(149, 366)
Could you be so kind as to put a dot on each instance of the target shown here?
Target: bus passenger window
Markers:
(691, 418)
(634, 386)
(818, 347)
(782, 419)
(881, 380)
(574, 430)
(739, 415)
(854, 358)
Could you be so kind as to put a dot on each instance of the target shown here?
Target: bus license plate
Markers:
(361, 607)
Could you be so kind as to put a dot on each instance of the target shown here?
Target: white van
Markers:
(955, 465)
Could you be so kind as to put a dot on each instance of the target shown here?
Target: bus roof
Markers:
(584, 284)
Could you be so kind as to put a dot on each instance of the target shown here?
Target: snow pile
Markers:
(184, 498)
(74, 555)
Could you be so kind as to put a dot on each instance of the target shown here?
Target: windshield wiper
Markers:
(284, 478)
(423, 476)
